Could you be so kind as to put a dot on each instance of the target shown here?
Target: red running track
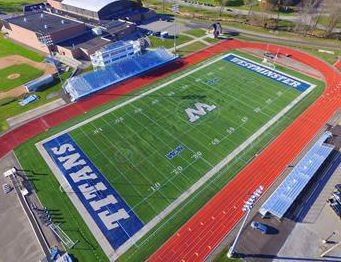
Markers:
(207, 228)
(338, 64)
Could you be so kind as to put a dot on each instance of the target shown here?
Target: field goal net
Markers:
(66, 240)
(268, 63)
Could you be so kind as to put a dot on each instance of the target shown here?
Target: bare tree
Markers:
(334, 15)
(221, 4)
(251, 4)
(308, 10)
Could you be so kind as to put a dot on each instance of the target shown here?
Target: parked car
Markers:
(337, 208)
(259, 226)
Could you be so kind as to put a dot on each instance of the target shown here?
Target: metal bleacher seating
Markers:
(88, 83)
(285, 195)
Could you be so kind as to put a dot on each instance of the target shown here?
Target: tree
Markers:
(251, 4)
(221, 4)
(334, 15)
(308, 11)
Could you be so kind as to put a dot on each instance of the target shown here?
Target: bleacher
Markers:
(83, 85)
(288, 191)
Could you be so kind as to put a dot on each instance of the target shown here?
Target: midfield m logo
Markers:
(200, 110)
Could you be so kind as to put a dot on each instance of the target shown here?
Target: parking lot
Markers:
(161, 25)
(299, 236)
(17, 239)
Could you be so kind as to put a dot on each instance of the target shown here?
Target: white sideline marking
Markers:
(114, 254)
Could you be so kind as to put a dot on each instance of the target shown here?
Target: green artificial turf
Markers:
(133, 151)
(27, 73)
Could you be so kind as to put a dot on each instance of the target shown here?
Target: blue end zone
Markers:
(269, 73)
(110, 212)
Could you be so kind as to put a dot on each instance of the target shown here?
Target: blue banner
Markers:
(110, 212)
(269, 73)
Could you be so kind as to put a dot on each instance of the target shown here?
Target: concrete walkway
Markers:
(34, 113)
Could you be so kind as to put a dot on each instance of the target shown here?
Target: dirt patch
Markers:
(13, 76)
(15, 92)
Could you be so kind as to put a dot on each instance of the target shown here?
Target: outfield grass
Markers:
(87, 249)
(27, 73)
(10, 48)
(11, 6)
(9, 107)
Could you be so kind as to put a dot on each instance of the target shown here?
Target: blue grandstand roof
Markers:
(284, 196)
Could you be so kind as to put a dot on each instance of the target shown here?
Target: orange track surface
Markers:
(338, 64)
(207, 228)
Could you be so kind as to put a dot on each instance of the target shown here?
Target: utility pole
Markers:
(247, 209)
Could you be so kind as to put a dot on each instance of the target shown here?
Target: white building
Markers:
(114, 52)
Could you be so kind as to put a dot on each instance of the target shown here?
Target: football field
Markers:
(153, 151)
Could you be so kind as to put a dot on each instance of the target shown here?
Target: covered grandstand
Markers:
(285, 195)
(88, 83)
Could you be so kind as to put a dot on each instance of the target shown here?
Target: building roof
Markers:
(292, 186)
(42, 22)
(91, 5)
(87, 41)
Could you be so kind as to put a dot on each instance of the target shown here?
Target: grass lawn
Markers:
(168, 42)
(27, 73)
(10, 48)
(211, 40)
(223, 258)
(325, 20)
(192, 48)
(11, 6)
(198, 32)
(9, 106)
(174, 130)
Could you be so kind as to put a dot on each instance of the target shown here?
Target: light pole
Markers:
(175, 10)
(246, 208)
(47, 40)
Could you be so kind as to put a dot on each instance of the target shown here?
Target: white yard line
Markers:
(114, 254)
